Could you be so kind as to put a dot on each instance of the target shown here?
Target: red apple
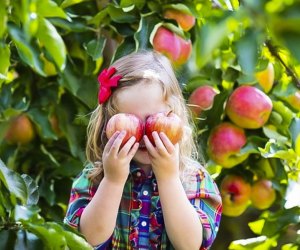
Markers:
(169, 123)
(128, 122)
(265, 77)
(249, 107)
(185, 20)
(173, 46)
(235, 193)
(202, 98)
(20, 131)
(262, 194)
(225, 142)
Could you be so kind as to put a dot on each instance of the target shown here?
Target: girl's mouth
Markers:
(142, 148)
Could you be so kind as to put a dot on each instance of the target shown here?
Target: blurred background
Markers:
(238, 66)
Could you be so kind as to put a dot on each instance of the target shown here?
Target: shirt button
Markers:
(145, 192)
(144, 223)
(138, 174)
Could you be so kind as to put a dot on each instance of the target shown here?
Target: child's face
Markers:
(142, 100)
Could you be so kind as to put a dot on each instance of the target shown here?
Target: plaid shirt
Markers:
(140, 223)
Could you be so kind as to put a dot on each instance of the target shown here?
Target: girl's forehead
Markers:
(142, 96)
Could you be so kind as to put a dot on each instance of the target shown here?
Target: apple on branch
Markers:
(235, 193)
(249, 107)
(224, 144)
(130, 123)
(202, 98)
(262, 194)
(20, 131)
(169, 123)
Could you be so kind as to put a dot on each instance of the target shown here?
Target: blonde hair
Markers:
(141, 67)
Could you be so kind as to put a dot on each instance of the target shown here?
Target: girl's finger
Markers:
(167, 143)
(111, 141)
(160, 147)
(117, 143)
(133, 150)
(151, 149)
(128, 145)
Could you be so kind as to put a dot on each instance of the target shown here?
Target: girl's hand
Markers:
(116, 160)
(164, 156)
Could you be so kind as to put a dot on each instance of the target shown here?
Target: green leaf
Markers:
(14, 183)
(95, 47)
(208, 40)
(119, 16)
(3, 19)
(247, 52)
(258, 243)
(295, 134)
(54, 44)
(68, 3)
(142, 35)
(32, 190)
(40, 118)
(127, 3)
(271, 133)
(49, 8)
(125, 48)
(27, 53)
(101, 18)
(178, 6)
(4, 61)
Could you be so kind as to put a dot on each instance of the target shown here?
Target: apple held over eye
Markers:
(128, 122)
(169, 123)
(235, 193)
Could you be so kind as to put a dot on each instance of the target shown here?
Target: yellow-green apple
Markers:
(169, 123)
(202, 98)
(294, 100)
(235, 193)
(133, 126)
(185, 20)
(177, 49)
(20, 131)
(224, 144)
(262, 194)
(249, 107)
(265, 77)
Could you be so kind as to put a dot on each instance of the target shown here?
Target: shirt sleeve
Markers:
(82, 192)
(204, 195)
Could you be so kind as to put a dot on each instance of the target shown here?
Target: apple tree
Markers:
(238, 63)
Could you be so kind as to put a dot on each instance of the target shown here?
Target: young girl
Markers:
(140, 195)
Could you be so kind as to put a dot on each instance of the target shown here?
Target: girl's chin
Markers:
(142, 156)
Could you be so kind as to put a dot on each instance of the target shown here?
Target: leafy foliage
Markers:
(50, 54)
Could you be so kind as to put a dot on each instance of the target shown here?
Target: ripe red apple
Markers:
(235, 193)
(128, 122)
(224, 143)
(173, 46)
(202, 98)
(262, 194)
(265, 78)
(249, 107)
(185, 20)
(169, 123)
(20, 131)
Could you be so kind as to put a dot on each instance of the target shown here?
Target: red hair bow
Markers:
(107, 81)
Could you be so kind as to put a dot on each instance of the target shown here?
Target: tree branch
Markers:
(288, 69)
